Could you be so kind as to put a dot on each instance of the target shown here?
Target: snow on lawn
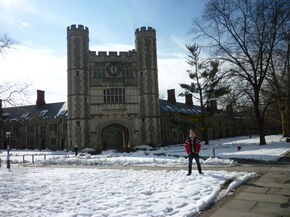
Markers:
(173, 155)
(227, 148)
(97, 192)
(114, 159)
(250, 148)
(17, 155)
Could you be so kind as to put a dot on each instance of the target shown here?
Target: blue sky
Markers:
(39, 27)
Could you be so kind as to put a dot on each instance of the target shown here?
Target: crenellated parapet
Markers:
(144, 29)
(147, 32)
(113, 55)
(74, 30)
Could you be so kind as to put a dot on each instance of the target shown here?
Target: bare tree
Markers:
(245, 34)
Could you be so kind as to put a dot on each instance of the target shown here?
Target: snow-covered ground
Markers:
(223, 149)
(16, 156)
(227, 148)
(68, 192)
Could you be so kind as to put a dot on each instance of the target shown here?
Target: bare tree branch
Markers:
(5, 43)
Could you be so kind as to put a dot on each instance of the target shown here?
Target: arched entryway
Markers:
(114, 136)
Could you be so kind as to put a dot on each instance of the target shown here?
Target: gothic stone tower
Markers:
(145, 43)
(113, 99)
(78, 85)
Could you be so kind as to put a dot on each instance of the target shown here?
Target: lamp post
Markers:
(8, 135)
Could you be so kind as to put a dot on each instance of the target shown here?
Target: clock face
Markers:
(112, 69)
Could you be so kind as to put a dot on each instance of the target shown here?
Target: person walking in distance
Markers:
(76, 150)
(192, 147)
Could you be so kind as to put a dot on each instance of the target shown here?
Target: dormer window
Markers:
(43, 113)
(62, 113)
(25, 115)
(5, 114)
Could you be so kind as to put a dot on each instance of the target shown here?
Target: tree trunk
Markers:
(286, 127)
(205, 129)
(203, 121)
(285, 122)
(261, 132)
(260, 121)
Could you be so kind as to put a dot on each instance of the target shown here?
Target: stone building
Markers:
(112, 102)
(44, 125)
(38, 126)
(112, 96)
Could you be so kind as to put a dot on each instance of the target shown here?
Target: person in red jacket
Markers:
(192, 146)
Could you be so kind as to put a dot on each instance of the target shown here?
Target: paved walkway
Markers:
(266, 196)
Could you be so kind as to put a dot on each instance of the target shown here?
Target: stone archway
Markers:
(114, 136)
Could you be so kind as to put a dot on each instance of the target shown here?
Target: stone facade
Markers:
(112, 93)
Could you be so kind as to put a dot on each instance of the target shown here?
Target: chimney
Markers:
(40, 102)
(1, 110)
(171, 96)
(188, 99)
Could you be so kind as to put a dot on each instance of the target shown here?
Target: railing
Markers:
(32, 157)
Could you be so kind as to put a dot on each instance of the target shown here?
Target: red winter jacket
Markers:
(192, 148)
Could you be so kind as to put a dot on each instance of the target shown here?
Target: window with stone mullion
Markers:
(114, 95)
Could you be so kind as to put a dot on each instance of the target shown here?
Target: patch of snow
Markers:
(219, 152)
(218, 161)
(88, 150)
(97, 192)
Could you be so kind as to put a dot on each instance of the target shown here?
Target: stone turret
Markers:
(78, 85)
(145, 44)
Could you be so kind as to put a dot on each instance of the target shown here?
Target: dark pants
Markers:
(190, 158)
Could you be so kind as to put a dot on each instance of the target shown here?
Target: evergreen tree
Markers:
(205, 83)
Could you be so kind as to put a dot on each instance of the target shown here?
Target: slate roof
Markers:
(178, 107)
(50, 110)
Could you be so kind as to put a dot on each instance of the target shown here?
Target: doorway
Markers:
(115, 136)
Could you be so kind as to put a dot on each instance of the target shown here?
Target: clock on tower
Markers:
(112, 69)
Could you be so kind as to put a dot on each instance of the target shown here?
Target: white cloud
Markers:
(19, 5)
(180, 42)
(38, 66)
(164, 54)
(171, 73)
(23, 24)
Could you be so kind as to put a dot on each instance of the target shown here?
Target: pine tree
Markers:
(205, 83)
